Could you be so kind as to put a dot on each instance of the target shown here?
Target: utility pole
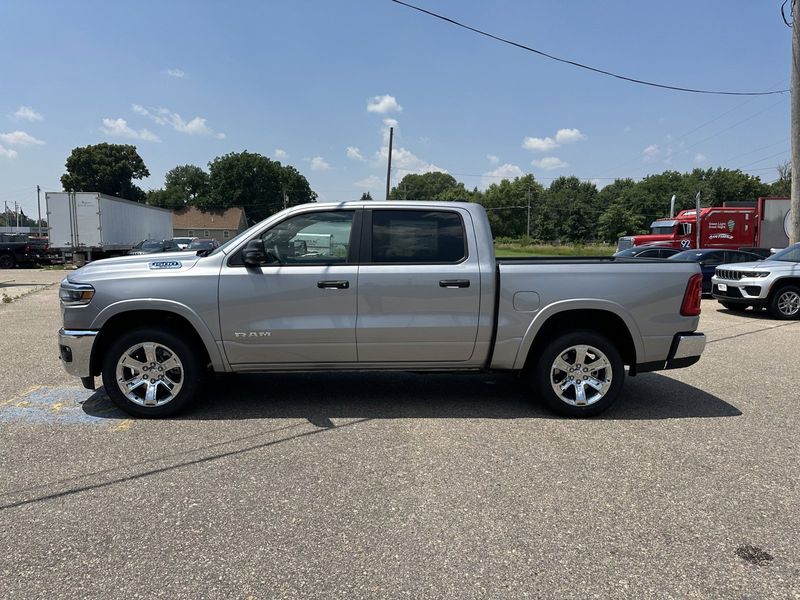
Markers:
(39, 204)
(389, 167)
(794, 225)
(285, 199)
(529, 211)
(16, 213)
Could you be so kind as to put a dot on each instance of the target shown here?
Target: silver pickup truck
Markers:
(375, 285)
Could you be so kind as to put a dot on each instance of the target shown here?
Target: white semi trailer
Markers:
(89, 225)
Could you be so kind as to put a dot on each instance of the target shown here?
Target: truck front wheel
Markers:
(151, 373)
(7, 261)
(578, 374)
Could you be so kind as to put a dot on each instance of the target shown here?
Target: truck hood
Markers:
(136, 265)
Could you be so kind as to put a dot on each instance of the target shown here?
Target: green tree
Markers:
(618, 220)
(183, 185)
(783, 185)
(506, 204)
(106, 168)
(569, 211)
(427, 186)
(366, 196)
(255, 183)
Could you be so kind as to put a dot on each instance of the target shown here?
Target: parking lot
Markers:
(402, 485)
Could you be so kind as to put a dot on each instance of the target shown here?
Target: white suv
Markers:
(774, 283)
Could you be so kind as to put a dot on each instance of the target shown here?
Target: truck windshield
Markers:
(790, 254)
(662, 227)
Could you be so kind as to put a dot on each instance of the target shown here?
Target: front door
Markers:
(419, 289)
(302, 307)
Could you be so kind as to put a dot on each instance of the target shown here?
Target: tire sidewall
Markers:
(192, 373)
(773, 304)
(7, 261)
(540, 375)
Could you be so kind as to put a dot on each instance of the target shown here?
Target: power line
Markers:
(581, 65)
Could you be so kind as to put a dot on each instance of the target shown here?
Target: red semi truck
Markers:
(763, 225)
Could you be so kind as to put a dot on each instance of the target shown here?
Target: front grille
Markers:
(624, 243)
(730, 275)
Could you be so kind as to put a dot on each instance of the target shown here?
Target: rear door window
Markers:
(417, 236)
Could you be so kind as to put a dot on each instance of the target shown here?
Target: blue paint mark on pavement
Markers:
(71, 405)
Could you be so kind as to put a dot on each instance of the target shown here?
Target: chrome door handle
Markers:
(339, 284)
(454, 283)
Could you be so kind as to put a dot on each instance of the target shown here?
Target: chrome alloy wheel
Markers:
(149, 374)
(789, 303)
(581, 375)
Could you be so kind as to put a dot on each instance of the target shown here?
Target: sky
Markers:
(316, 83)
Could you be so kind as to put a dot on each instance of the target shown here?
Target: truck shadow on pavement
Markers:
(320, 397)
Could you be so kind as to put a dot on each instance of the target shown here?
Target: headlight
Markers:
(755, 274)
(75, 294)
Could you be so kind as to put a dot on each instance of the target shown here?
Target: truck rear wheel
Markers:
(151, 373)
(785, 303)
(578, 374)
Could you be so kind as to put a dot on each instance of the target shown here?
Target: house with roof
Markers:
(219, 225)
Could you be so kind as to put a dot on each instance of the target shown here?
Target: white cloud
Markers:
(178, 73)
(493, 159)
(26, 113)
(627, 129)
(319, 164)
(8, 152)
(19, 138)
(569, 136)
(539, 144)
(354, 153)
(383, 104)
(651, 153)
(545, 144)
(550, 163)
(405, 161)
(700, 159)
(164, 116)
(120, 128)
(281, 153)
(370, 182)
(504, 171)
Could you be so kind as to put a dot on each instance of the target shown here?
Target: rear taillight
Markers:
(691, 299)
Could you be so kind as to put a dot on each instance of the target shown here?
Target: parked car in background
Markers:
(773, 283)
(647, 251)
(710, 258)
(153, 246)
(17, 253)
(183, 242)
(203, 244)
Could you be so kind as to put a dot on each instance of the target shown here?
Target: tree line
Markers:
(574, 211)
(567, 210)
(258, 184)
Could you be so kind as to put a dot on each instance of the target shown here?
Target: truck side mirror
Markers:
(255, 254)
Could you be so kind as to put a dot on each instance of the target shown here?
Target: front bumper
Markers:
(748, 290)
(685, 350)
(75, 351)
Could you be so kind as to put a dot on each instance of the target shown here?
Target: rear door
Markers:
(418, 287)
(301, 308)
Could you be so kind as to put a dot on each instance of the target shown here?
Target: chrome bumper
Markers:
(686, 350)
(75, 351)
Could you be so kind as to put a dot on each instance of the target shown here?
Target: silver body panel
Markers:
(391, 316)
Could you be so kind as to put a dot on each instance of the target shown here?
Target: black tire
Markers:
(166, 345)
(7, 261)
(733, 307)
(784, 303)
(544, 369)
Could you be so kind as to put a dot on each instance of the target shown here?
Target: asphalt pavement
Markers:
(404, 485)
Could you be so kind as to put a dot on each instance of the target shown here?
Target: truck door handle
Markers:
(339, 284)
(454, 283)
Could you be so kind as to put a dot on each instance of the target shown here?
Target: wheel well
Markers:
(782, 283)
(601, 321)
(126, 321)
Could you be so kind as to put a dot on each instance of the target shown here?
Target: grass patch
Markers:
(519, 249)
